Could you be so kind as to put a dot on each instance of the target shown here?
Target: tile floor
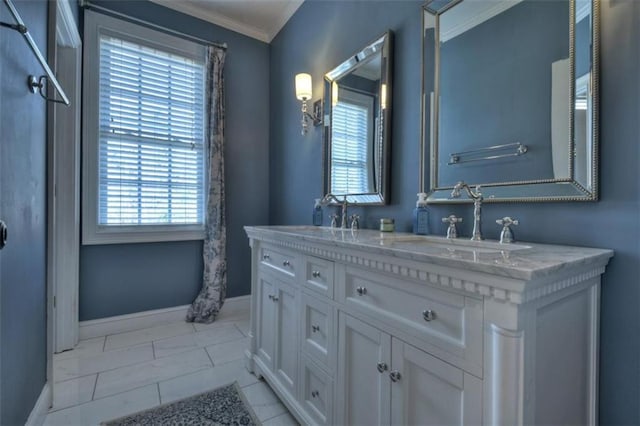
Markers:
(120, 374)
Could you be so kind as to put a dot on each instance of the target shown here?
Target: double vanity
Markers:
(369, 328)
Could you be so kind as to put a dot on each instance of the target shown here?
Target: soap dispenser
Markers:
(317, 213)
(421, 215)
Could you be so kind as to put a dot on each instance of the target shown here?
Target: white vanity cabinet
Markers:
(276, 318)
(370, 329)
(384, 380)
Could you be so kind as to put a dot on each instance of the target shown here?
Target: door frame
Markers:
(63, 183)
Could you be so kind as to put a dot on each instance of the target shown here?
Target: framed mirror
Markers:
(357, 125)
(510, 99)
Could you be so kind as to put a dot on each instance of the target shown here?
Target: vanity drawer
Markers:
(450, 322)
(317, 329)
(316, 393)
(319, 275)
(280, 260)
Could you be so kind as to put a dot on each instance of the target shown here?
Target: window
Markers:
(144, 164)
(351, 143)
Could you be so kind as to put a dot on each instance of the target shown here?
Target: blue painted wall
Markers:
(126, 278)
(23, 307)
(340, 29)
(321, 34)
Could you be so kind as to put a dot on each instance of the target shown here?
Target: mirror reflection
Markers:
(357, 104)
(508, 87)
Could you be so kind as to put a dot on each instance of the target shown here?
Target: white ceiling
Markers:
(259, 19)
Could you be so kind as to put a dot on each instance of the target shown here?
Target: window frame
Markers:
(96, 24)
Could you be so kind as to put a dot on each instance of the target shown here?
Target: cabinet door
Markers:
(428, 391)
(362, 391)
(265, 337)
(286, 339)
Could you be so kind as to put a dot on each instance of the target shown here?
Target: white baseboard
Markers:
(121, 323)
(41, 407)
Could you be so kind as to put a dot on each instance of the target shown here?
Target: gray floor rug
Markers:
(222, 406)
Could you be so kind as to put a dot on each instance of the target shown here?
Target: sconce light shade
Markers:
(303, 86)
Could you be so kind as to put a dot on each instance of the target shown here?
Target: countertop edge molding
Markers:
(469, 279)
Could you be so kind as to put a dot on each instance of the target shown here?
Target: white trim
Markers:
(96, 24)
(288, 12)
(100, 236)
(64, 202)
(40, 408)
(265, 35)
(468, 17)
(122, 323)
(67, 34)
(63, 187)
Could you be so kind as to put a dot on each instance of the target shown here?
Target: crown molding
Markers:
(230, 23)
(288, 12)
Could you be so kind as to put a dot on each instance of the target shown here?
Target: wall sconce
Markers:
(304, 93)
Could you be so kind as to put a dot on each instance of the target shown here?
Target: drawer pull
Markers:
(395, 375)
(382, 367)
(286, 263)
(315, 394)
(265, 257)
(361, 291)
(428, 315)
(315, 274)
(315, 328)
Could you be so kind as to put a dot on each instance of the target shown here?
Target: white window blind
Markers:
(351, 141)
(151, 136)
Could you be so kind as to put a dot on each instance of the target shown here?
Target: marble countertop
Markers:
(519, 260)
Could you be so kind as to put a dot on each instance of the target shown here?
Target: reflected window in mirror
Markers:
(352, 143)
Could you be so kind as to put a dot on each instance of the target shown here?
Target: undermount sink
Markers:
(449, 244)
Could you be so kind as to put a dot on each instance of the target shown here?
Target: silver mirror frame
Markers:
(384, 44)
(544, 190)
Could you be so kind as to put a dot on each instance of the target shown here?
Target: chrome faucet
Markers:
(477, 198)
(330, 197)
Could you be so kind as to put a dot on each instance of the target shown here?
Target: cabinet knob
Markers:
(274, 298)
(428, 315)
(361, 291)
(315, 328)
(315, 394)
(265, 257)
(286, 263)
(382, 367)
(271, 296)
(395, 375)
(315, 274)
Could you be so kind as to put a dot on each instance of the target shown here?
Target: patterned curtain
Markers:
(214, 281)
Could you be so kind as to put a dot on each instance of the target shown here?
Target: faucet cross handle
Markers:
(355, 222)
(507, 221)
(334, 221)
(452, 220)
(506, 235)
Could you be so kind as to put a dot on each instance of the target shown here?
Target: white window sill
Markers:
(127, 235)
